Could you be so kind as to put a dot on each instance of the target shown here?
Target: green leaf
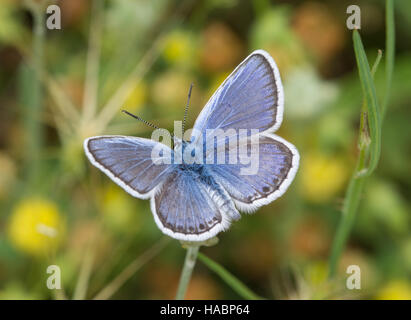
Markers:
(357, 182)
(232, 281)
(368, 88)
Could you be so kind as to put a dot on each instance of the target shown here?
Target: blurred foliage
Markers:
(148, 53)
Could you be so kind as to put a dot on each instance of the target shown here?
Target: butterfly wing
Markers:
(277, 164)
(250, 98)
(189, 208)
(128, 162)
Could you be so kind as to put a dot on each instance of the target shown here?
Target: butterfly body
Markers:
(194, 198)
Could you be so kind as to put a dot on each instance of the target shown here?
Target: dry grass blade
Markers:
(117, 100)
(119, 97)
(131, 269)
(93, 61)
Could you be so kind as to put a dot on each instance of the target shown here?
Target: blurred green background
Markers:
(58, 87)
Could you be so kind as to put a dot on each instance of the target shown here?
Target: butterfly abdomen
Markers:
(225, 204)
(220, 196)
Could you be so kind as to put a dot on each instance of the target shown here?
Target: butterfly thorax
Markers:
(196, 170)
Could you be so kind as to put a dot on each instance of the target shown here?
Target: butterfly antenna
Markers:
(142, 120)
(188, 103)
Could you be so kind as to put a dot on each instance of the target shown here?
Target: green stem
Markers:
(355, 186)
(350, 207)
(231, 280)
(34, 96)
(93, 62)
(369, 137)
(189, 263)
(390, 52)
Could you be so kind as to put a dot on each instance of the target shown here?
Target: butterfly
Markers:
(192, 201)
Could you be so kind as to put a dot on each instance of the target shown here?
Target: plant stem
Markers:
(390, 52)
(34, 96)
(350, 207)
(232, 281)
(357, 181)
(93, 61)
(189, 263)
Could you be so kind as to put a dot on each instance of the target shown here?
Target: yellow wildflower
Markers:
(35, 226)
(179, 48)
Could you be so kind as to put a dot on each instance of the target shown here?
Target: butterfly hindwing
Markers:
(276, 166)
(187, 207)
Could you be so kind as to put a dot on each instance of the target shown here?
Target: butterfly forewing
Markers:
(250, 98)
(128, 162)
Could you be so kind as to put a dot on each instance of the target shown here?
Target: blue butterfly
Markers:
(194, 202)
